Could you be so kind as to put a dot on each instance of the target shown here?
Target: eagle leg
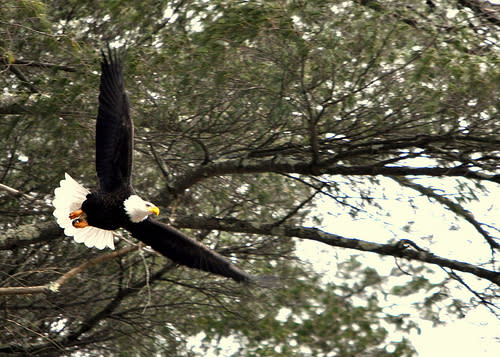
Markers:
(79, 219)
(75, 214)
(80, 223)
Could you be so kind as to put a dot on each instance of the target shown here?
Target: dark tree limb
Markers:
(17, 62)
(326, 167)
(402, 249)
(482, 10)
(22, 78)
(28, 234)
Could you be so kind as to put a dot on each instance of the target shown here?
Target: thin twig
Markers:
(489, 305)
(16, 193)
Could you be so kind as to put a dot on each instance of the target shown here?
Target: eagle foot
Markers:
(79, 219)
(75, 214)
(80, 223)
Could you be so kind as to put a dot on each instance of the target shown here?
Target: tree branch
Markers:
(5, 61)
(481, 298)
(402, 249)
(15, 193)
(13, 108)
(326, 167)
(481, 9)
(27, 234)
(22, 78)
(55, 285)
(89, 323)
(454, 207)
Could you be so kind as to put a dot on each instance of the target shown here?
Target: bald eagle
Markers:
(91, 217)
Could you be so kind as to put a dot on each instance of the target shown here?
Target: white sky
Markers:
(476, 335)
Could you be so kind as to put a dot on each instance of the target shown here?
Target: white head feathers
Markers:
(137, 209)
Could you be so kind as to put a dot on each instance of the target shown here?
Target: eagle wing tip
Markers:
(267, 281)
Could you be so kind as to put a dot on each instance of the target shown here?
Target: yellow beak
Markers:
(154, 210)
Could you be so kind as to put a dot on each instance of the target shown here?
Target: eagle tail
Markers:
(69, 197)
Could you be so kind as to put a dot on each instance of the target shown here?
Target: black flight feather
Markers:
(114, 129)
(184, 250)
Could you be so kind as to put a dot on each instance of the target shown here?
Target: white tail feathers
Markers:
(68, 197)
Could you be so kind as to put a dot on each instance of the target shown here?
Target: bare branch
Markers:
(402, 249)
(13, 192)
(18, 62)
(489, 305)
(298, 207)
(326, 167)
(482, 10)
(55, 285)
(89, 323)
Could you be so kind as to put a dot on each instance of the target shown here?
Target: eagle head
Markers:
(138, 210)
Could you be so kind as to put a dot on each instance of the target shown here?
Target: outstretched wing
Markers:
(114, 129)
(184, 250)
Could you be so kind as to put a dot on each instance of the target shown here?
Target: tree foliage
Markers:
(247, 115)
